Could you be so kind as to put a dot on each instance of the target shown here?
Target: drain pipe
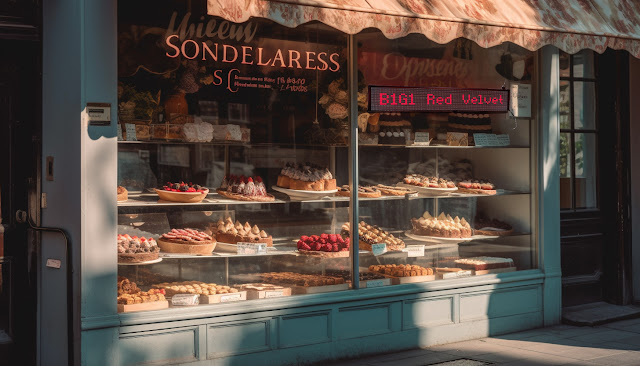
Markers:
(69, 273)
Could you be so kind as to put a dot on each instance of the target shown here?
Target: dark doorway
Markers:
(20, 104)
(594, 169)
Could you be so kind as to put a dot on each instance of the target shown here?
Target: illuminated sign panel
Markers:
(410, 99)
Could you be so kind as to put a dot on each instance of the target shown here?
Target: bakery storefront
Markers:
(248, 140)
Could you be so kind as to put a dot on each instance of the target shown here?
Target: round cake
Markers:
(133, 249)
(186, 241)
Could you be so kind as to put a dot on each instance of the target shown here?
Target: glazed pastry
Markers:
(194, 287)
(369, 235)
(401, 270)
(428, 182)
(476, 186)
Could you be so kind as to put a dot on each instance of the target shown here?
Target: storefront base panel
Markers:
(307, 334)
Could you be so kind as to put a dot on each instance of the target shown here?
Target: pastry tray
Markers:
(495, 270)
(145, 306)
(411, 279)
(438, 239)
(266, 294)
(376, 283)
(157, 260)
(318, 289)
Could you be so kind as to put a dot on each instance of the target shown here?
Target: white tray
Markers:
(429, 190)
(141, 263)
(299, 194)
(438, 239)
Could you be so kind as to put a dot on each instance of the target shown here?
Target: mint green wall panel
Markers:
(238, 337)
(499, 303)
(361, 321)
(303, 329)
(428, 312)
(163, 347)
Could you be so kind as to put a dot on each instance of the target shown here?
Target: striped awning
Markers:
(570, 25)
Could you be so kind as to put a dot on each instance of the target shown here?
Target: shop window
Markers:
(578, 132)
(234, 154)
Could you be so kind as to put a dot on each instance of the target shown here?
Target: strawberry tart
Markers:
(324, 245)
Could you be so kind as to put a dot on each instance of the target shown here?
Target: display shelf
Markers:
(303, 145)
(150, 200)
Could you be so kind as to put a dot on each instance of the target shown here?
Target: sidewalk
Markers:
(610, 344)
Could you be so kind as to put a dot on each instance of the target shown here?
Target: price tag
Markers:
(231, 297)
(492, 140)
(375, 283)
(503, 140)
(131, 132)
(379, 248)
(414, 250)
(480, 139)
(270, 294)
(251, 248)
(120, 132)
(185, 300)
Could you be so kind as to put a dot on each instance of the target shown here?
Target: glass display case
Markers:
(234, 164)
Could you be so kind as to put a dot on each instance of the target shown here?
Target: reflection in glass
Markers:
(565, 171)
(565, 104)
(583, 64)
(564, 64)
(584, 105)
(585, 170)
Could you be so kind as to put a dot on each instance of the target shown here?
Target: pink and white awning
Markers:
(570, 25)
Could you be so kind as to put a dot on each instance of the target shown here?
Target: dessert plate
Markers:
(429, 190)
(182, 197)
(298, 194)
(140, 263)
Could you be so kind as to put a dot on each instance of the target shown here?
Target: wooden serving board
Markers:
(297, 290)
(145, 306)
(375, 283)
(218, 298)
(267, 294)
(495, 270)
(412, 279)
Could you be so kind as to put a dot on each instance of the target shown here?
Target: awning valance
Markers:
(570, 25)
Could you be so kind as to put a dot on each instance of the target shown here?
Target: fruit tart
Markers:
(226, 231)
(369, 234)
(324, 245)
(476, 186)
(133, 249)
(189, 241)
(182, 192)
(363, 191)
(243, 188)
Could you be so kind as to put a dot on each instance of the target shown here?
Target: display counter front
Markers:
(247, 156)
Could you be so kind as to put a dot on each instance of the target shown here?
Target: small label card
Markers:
(231, 297)
(421, 138)
(54, 263)
(270, 294)
(98, 114)
(379, 248)
(490, 139)
(251, 248)
(131, 132)
(185, 300)
(458, 274)
(414, 250)
(503, 140)
(375, 283)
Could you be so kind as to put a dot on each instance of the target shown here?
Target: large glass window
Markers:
(233, 161)
(579, 132)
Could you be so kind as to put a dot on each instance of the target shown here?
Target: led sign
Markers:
(432, 99)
